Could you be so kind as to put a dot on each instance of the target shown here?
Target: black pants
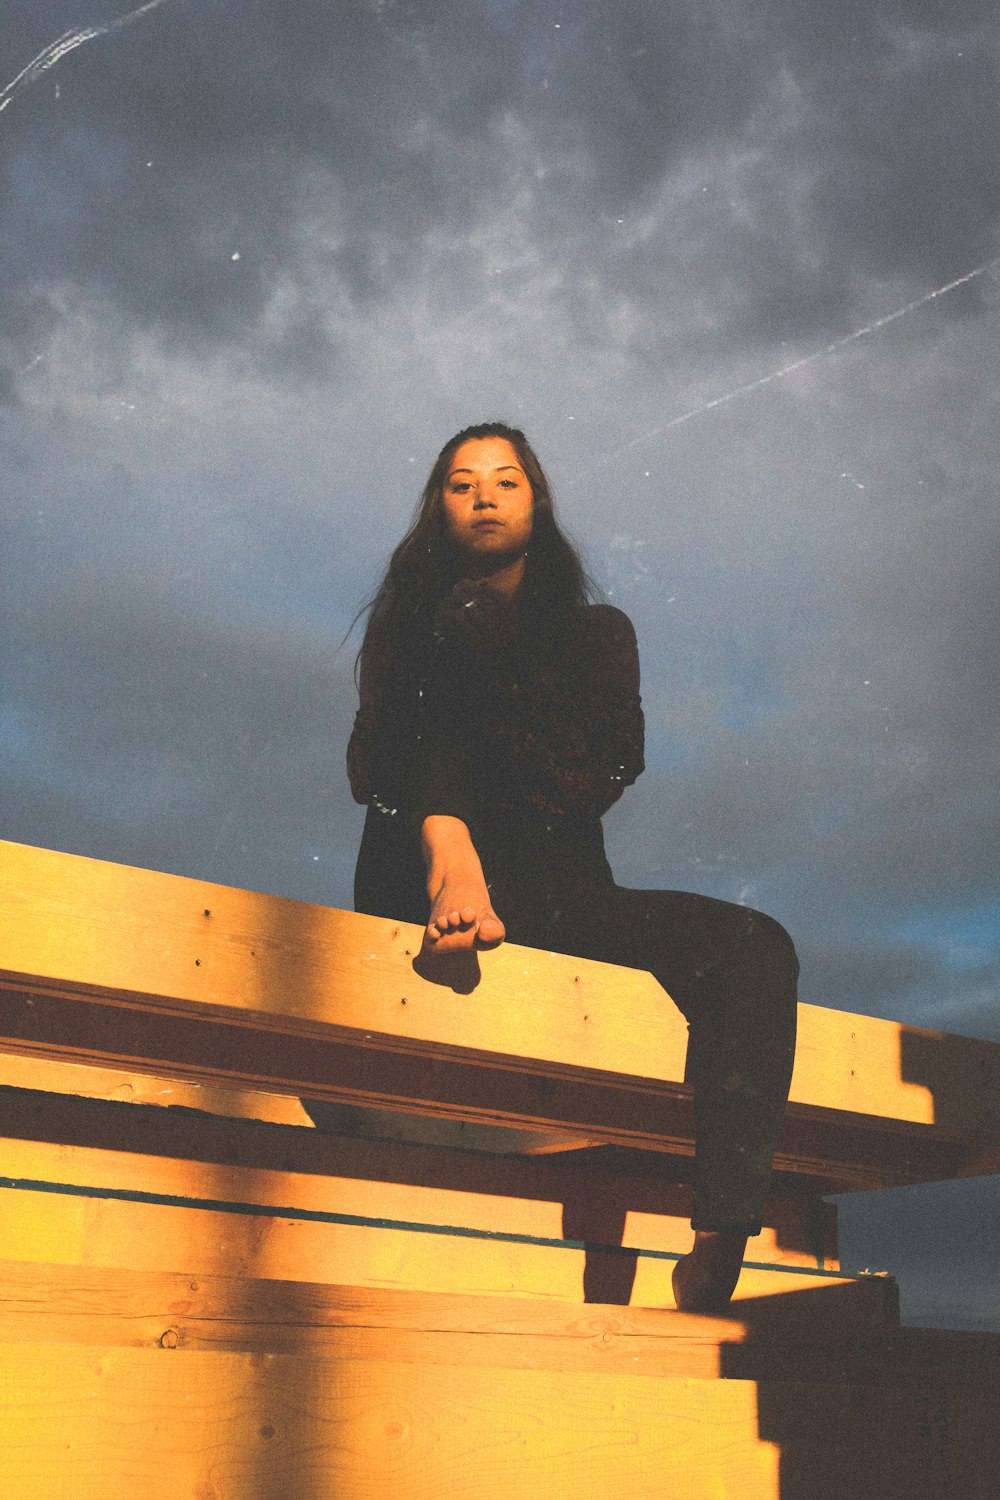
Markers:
(731, 971)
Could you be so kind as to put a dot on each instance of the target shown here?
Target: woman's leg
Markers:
(732, 972)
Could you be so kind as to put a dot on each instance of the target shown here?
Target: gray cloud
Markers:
(149, 734)
(341, 150)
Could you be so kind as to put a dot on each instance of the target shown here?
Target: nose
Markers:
(482, 500)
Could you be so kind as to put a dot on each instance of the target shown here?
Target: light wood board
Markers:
(103, 963)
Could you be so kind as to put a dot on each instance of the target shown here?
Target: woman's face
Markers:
(487, 502)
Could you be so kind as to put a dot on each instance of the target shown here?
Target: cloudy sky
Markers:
(734, 267)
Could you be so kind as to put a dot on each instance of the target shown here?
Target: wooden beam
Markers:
(185, 1151)
(97, 1421)
(100, 1422)
(104, 964)
(49, 1221)
(90, 1305)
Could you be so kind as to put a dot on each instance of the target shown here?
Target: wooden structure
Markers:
(286, 1212)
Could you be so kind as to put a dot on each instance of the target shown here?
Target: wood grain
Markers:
(86, 1304)
(222, 1426)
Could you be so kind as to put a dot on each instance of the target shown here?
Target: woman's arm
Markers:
(563, 736)
(570, 736)
(593, 748)
(363, 744)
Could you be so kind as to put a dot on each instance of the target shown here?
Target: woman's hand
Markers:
(461, 916)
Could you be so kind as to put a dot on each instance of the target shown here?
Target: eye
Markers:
(508, 484)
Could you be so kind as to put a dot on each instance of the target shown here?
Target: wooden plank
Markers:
(858, 1359)
(170, 1150)
(125, 1086)
(45, 1304)
(69, 1229)
(834, 1152)
(207, 988)
(855, 1156)
(104, 1424)
(101, 1423)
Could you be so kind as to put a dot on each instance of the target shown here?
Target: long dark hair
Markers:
(424, 566)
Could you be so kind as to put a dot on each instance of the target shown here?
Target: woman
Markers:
(499, 719)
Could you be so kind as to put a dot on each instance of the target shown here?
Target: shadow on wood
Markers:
(208, 1292)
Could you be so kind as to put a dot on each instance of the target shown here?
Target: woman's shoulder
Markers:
(606, 622)
(601, 646)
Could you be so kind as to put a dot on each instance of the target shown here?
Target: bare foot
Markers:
(704, 1280)
(462, 918)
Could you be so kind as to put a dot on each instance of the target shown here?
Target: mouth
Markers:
(486, 525)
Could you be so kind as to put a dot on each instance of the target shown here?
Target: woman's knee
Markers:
(772, 944)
